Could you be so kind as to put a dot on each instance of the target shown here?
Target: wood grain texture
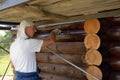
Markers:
(95, 71)
(47, 76)
(60, 69)
(50, 58)
(92, 41)
(93, 57)
(67, 48)
(92, 26)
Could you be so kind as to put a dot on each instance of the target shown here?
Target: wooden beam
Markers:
(89, 16)
(97, 15)
(77, 7)
(54, 15)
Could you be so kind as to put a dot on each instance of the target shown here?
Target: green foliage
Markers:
(5, 42)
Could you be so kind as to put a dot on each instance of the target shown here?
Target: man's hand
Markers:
(52, 38)
(57, 31)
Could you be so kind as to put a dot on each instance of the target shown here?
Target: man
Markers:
(23, 49)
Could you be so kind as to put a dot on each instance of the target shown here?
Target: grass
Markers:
(4, 61)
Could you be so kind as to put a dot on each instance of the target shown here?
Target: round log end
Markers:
(92, 26)
(93, 57)
(94, 71)
(92, 41)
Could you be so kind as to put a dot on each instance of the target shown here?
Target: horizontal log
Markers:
(64, 28)
(115, 50)
(91, 69)
(70, 38)
(109, 44)
(47, 76)
(114, 44)
(68, 35)
(114, 33)
(110, 48)
(115, 75)
(95, 71)
(65, 35)
(115, 63)
(50, 58)
(92, 41)
(67, 48)
(114, 21)
(59, 69)
(93, 57)
(92, 26)
(63, 32)
(71, 35)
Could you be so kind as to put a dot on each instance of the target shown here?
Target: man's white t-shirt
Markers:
(22, 54)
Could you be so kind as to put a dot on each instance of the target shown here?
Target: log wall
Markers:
(80, 50)
(96, 50)
(110, 48)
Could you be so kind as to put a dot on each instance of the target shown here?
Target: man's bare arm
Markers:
(50, 40)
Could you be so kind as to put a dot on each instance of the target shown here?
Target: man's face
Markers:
(30, 31)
